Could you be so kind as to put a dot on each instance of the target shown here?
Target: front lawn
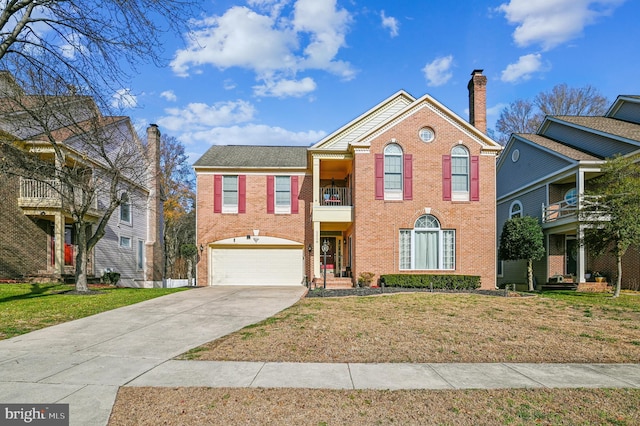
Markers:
(29, 307)
(436, 327)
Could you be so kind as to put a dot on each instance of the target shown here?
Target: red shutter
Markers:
(408, 177)
(270, 195)
(242, 194)
(474, 194)
(446, 177)
(379, 176)
(217, 193)
(294, 194)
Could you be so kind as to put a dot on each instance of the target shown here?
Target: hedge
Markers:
(435, 281)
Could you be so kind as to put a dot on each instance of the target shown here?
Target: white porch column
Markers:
(58, 231)
(581, 254)
(316, 249)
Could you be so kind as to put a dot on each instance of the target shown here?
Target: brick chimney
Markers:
(478, 100)
(154, 268)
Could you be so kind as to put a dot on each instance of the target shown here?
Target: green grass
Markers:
(587, 301)
(28, 307)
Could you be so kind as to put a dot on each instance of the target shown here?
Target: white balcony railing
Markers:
(335, 196)
(47, 193)
(568, 208)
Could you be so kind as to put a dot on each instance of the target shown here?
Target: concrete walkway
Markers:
(84, 362)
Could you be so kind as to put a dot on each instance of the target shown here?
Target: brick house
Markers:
(544, 175)
(408, 186)
(37, 236)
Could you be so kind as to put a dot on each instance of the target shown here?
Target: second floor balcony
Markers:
(49, 194)
(335, 196)
(567, 210)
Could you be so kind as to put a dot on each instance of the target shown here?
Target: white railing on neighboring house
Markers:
(46, 193)
(335, 196)
(564, 208)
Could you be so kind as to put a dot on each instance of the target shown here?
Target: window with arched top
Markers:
(460, 173)
(393, 173)
(393, 170)
(515, 210)
(427, 246)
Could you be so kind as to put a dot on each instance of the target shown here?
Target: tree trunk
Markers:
(616, 292)
(189, 271)
(530, 274)
(81, 258)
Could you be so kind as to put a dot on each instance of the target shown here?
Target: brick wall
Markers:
(377, 222)
(216, 226)
(23, 241)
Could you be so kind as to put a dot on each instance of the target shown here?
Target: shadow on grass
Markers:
(37, 290)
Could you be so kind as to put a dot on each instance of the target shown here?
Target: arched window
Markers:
(460, 173)
(393, 171)
(571, 197)
(515, 210)
(427, 246)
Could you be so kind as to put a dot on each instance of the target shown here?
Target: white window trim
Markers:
(393, 194)
(121, 240)
(515, 203)
(140, 255)
(282, 209)
(130, 221)
(230, 208)
(441, 254)
(461, 195)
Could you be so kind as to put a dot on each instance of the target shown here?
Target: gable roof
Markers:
(253, 156)
(607, 125)
(427, 101)
(559, 148)
(351, 132)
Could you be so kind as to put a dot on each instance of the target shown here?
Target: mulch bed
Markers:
(372, 291)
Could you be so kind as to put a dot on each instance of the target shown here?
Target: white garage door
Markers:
(256, 266)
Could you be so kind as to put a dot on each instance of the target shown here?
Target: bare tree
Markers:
(179, 202)
(525, 116)
(70, 155)
(88, 44)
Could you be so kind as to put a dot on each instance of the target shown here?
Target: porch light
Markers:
(309, 248)
(201, 248)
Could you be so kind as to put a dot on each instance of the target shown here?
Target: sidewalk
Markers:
(389, 376)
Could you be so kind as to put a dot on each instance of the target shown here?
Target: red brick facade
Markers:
(367, 224)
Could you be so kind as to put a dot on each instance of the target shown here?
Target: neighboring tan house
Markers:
(544, 175)
(408, 186)
(37, 236)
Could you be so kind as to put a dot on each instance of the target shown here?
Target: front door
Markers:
(330, 254)
(572, 257)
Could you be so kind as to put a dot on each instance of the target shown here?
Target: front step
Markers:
(333, 283)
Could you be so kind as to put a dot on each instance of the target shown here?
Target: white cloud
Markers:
(286, 88)
(276, 45)
(72, 46)
(123, 98)
(228, 84)
(169, 95)
(199, 116)
(251, 134)
(438, 71)
(390, 23)
(522, 70)
(553, 22)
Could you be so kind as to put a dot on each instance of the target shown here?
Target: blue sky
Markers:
(288, 72)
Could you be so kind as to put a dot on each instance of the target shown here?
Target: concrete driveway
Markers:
(84, 362)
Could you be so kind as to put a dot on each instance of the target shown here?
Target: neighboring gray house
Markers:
(37, 236)
(544, 175)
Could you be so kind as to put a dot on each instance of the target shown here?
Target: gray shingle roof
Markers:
(252, 156)
(558, 147)
(606, 125)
